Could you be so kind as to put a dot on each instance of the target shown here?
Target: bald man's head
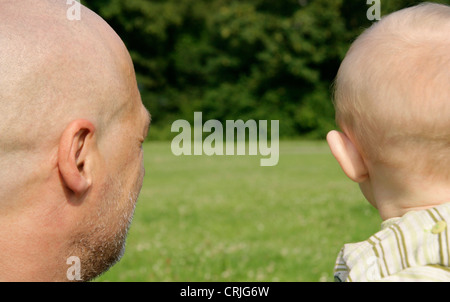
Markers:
(54, 70)
(71, 126)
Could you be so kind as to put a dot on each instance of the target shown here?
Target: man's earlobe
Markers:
(74, 147)
(347, 156)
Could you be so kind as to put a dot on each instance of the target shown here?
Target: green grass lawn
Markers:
(226, 218)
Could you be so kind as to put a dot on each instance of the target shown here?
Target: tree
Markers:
(239, 59)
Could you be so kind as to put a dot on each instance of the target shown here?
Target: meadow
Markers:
(226, 218)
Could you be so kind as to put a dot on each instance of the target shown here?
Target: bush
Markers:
(241, 59)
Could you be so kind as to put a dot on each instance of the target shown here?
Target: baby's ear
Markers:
(347, 156)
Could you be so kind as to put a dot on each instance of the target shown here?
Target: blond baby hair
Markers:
(392, 91)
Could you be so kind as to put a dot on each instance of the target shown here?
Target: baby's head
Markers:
(392, 99)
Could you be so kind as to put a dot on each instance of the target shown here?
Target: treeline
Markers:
(239, 59)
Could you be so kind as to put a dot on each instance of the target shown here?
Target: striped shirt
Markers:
(414, 247)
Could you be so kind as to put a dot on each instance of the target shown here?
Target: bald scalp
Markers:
(55, 70)
(392, 91)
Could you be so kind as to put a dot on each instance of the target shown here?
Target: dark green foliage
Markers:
(243, 59)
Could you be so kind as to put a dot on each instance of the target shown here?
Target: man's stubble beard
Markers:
(102, 244)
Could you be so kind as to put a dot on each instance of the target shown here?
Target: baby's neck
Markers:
(396, 199)
(387, 211)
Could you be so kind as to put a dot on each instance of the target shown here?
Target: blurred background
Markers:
(226, 218)
(248, 59)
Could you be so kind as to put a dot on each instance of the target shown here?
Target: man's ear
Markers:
(347, 156)
(74, 147)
